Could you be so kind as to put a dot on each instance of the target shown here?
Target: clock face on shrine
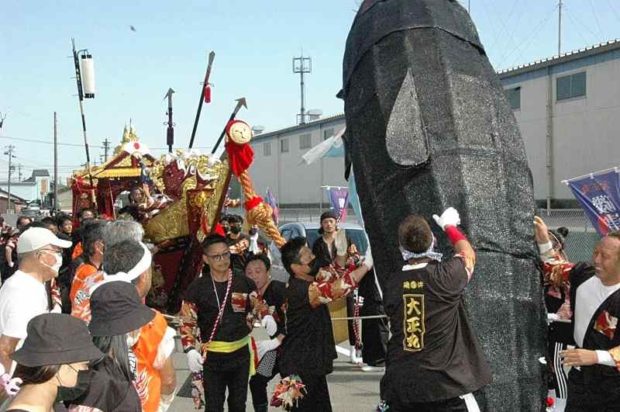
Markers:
(240, 132)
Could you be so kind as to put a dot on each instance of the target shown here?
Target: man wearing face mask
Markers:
(238, 244)
(89, 272)
(24, 295)
(309, 348)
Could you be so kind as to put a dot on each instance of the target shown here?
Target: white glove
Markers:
(269, 323)
(194, 361)
(265, 346)
(11, 264)
(368, 260)
(449, 217)
(254, 244)
(341, 242)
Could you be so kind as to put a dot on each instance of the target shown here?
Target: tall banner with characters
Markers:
(339, 199)
(599, 195)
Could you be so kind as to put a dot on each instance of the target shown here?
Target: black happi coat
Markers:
(309, 347)
(233, 325)
(433, 354)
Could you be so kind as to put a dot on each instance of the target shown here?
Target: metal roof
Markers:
(563, 58)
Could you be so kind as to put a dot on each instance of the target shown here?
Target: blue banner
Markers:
(339, 199)
(599, 196)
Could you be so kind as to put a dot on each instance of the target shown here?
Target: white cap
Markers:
(37, 237)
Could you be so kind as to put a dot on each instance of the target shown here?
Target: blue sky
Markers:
(254, 42)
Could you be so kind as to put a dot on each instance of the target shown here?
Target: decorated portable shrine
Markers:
(101, 187)
(177, 199)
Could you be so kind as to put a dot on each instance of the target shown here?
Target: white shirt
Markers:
(22, 297)
(590, 295)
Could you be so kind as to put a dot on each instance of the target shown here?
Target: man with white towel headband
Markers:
(155, 378)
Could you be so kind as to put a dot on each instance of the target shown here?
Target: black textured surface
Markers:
(428, 127)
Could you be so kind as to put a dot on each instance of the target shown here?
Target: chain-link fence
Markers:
(580, 241)
(582, 236)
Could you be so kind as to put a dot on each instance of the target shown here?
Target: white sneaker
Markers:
(368, 368)
(353, 356)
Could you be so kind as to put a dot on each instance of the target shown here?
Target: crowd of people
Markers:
(75, 331)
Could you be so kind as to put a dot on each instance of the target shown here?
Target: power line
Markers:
(533, 33)
(598, 24)
(21, 139)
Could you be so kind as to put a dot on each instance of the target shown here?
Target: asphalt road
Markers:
(351, 390)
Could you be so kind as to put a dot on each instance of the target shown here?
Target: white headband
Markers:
(429, 253)
(140, 267)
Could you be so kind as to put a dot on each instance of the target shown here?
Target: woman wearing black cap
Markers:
(53, 362)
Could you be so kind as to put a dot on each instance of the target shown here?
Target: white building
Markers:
(36, 187)
(567, 107)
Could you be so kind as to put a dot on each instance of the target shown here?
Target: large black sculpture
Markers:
(428, 127)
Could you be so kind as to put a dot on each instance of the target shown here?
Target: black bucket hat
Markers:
(56, 339)
(117, 309)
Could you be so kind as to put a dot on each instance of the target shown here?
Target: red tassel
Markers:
(207, 93)
(219, 229)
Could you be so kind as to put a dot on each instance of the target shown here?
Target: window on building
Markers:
(514, 97)
(305, 141)
(571, 86)
(327, 133)
(267, 149)
(284, 146)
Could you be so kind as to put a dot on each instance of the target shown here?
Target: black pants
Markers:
(316, 398)
(590, 393)
(217, 381)
(350, 323)
(559, 337)
(258, 387)
(449, 405)
(374, 334)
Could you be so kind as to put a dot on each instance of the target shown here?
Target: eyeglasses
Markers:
(217, 258)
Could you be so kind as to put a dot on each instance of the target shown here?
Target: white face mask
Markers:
(56, 266)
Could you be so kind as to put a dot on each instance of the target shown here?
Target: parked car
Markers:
(310, 231)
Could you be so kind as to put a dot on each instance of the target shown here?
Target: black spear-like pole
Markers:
(170, 129)
(206, 82)
(240, 102)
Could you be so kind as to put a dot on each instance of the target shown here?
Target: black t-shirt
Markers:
(322, 252)
(309, 346)
(433, 354)
(233, 325)
(239, 252)
(275, 295)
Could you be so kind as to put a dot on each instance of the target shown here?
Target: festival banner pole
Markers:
(170, 123)
(241, 102)
(205, 94)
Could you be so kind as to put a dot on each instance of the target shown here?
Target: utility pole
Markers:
(302, 65)
(55, 204)
(559, 27)
(19, 172)
(9, 152)
(106, 148)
